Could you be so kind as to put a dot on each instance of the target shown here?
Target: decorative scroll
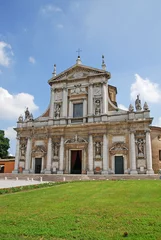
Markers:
(78, 89)
(119, 148)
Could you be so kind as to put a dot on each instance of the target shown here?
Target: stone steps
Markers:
(76, 177)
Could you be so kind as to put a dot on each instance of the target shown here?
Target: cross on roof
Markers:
(78, 51)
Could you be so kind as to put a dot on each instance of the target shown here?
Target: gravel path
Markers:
(16, 183)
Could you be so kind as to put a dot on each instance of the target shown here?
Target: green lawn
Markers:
(95, 210)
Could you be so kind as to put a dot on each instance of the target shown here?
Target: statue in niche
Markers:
(57, 110)
(98, 148)
(138, 104)
(97, 107)
(56, 149)
(140, 146)
(23, 149)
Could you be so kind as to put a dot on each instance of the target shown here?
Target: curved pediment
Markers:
(119, 148)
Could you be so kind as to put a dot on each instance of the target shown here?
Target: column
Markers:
(28, 156)
(105, 155)
(51, 113)
(132, 154)
(65, 100)
(90, 99)
(84, 109)
(61, 160)
(149, 153)
(90, 155)
(104, 100)
(17, 157)
(49, 156)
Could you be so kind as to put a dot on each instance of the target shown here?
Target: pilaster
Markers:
(132, 154)
(17, 157)
(90, 155)
(28, 156)
(105, 155)
(61, 161)
(49, 156)
(149, 153)
(51, 113)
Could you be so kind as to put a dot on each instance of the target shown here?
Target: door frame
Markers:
(125, 162)
(70, 156)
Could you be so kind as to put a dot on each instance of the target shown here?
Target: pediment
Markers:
(77, 72)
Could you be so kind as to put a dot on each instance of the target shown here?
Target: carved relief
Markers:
(78, 89)
(97, 89)
(39, 151)
(58, 95)
(119, 148)
(76, 139)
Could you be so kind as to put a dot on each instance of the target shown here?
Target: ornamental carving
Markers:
(97, 90)
(76, 139)
(39, 151)
(78, 89)
(119, 148)
(58, 94)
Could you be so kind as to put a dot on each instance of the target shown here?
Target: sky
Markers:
(36, 34)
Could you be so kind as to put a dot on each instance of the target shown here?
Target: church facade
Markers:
(83, 131)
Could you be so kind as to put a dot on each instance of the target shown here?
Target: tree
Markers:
(4, 145)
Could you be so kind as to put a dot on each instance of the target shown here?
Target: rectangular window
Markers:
(77, 110)
(160, 155)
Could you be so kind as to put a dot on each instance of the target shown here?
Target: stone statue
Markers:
(57, 111)
(27, 114)
(98, 148)
(140, 145)
(145, 107)
(131, 108)
(97, 107)
(138, 104)
(20, 119)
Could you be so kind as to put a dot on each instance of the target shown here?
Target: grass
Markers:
(96, 210)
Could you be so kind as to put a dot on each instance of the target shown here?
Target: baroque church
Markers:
(84, 132)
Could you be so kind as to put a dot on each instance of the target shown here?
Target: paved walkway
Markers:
(15, 183)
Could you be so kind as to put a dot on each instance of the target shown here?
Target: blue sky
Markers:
(35, 34)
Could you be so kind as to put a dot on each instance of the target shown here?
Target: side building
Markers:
(83, 131)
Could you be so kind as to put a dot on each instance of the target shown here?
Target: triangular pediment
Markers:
(77, 72)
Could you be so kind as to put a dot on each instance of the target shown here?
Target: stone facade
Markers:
(83, 131)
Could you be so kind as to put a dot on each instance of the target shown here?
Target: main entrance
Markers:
(119, 165)
(38, 162)
(76, 162)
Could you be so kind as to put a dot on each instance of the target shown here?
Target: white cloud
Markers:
(121, 106)
(10, 133)
(159, 122)
(32, 60)
(148, 90)
(59, 25)
(50, 9)
(12, 105)
(5, 54)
